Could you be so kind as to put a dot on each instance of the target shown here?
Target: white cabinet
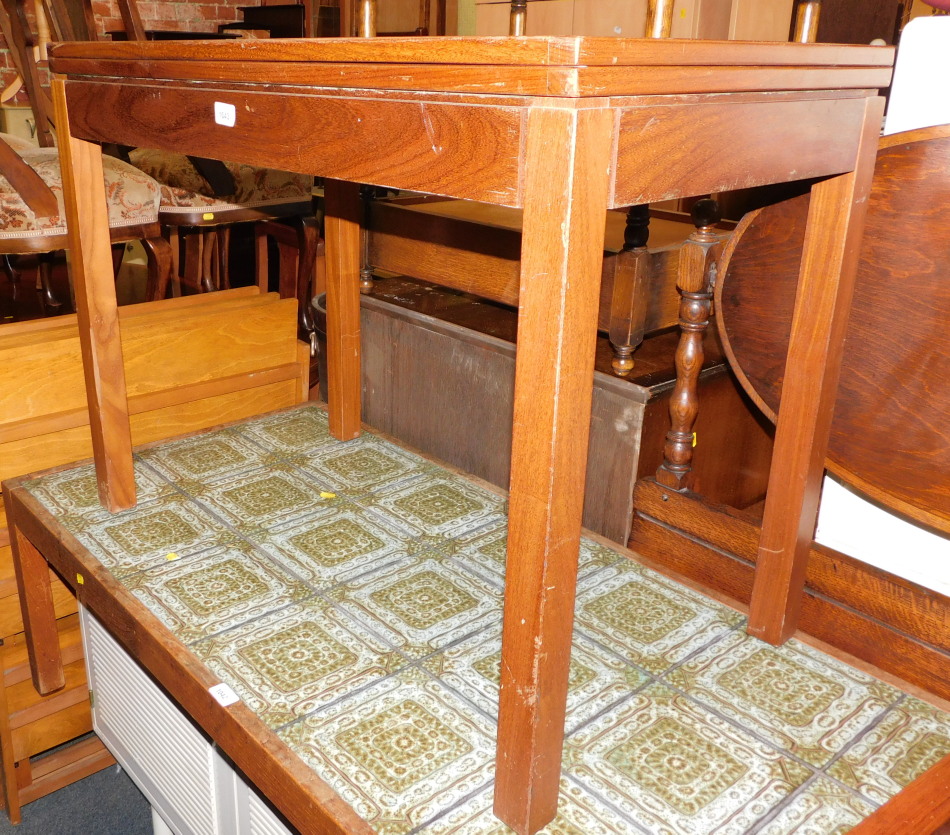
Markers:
(191, 787)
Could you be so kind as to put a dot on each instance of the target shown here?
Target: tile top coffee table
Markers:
(564, 128)
(350, 595)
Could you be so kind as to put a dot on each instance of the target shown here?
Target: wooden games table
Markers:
(564, 128)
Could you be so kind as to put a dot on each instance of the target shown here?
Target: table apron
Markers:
(663, 147)
(438, 147)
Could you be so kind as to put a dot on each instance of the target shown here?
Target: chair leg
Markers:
(44, 280)
(223, 239)
(13, 274)
(208, 244)
(308, 238)
(260, 254)
(160, 260)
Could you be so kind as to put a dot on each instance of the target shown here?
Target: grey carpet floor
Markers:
(105, 803)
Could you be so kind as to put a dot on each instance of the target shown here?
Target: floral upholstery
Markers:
(184, 189)
(132, 197)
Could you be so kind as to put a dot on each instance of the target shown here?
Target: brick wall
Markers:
(156, 14)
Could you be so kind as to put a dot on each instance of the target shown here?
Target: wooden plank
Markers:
(162, 351)
(11, 620)
(343, 209)
(71, 721)
(899, 604)
(498, 51)
(566, 172)
(884, 620)
(922, 808)
(39, 617)
(825, 287)
(659, 148)
(440, 147)
(87, 222)
(38, 452)
(64, 767)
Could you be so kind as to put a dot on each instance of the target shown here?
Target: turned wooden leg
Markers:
(695, 283)
(629, 298)
(819, 322)
(367, 195)
(565, 187)
(343, 213)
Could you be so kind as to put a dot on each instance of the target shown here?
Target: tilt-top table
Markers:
(564, 128)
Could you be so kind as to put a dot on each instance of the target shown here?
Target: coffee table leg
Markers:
(566, 188)
(825, 286)
(39, 616)
(343, 212)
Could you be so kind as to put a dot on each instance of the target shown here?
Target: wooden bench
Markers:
(191, 362)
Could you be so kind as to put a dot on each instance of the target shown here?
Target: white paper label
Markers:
(223, 694)
(224, 114)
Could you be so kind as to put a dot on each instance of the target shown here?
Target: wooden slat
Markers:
(71, 721)
(498, 51)
(11, 620)
(43, 451)
(64, 767)
(922, 808)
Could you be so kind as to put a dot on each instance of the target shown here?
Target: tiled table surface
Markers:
(351, 593)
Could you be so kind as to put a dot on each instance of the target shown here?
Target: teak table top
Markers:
(565, 128)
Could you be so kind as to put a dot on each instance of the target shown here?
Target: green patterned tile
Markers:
(399, 751)
(218, 590)
(648, 619)
(821, 807)
(150, 534)
(74, 492)
(484, 552)
(204, 459)
(670, 766)
(795, 696)
(263, 499)
(420, 604)
(364, 465)
(333, 546)
(911, 738)
(291, 662)
(442, 507)
(578, 813)
(596, 678)
(298, 431)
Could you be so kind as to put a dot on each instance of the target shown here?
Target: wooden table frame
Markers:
(564, 128)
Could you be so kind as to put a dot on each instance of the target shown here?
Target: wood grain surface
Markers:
(822, 301)
(890, 436)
